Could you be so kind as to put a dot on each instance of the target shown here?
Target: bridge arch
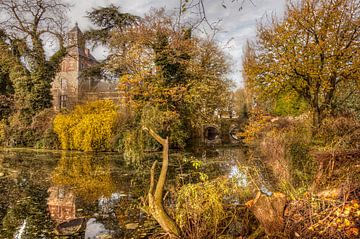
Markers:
(211, 132)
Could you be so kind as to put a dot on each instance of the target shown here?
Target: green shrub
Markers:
(19, 133)
(43, 131)
(88, 127)
(133, 146)
(289, 104)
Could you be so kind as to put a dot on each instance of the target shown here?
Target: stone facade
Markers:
(69, 87)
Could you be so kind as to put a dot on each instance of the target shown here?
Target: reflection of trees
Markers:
(23, 190)
(89, 177)
(29, 211)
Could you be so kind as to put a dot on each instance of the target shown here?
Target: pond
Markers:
(40, 189)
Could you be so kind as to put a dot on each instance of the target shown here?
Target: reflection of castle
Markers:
(61, 204)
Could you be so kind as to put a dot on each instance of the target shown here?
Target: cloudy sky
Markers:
(236, 26)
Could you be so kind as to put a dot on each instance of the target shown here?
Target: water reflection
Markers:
(88, 177)
(95, 229)
(238, 176)
(61, 204)
(21, 231)
(40, 190)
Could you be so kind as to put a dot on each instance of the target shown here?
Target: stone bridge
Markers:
(224, 132)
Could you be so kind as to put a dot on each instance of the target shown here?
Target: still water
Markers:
(39, 190)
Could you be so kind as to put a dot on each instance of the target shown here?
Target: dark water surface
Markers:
(39, 190)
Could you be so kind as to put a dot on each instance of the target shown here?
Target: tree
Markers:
(240, 102)
(155, 195)
(6, 92)
(26, 26)
(313, 53)
(107, 20)
(169, 68)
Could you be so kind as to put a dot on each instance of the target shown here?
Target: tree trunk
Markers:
(269, 211)
(316, 118)
(155, 195)
(316, 107)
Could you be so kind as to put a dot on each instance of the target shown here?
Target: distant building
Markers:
(69, 87)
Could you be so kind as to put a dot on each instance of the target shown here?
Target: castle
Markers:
(70, 87)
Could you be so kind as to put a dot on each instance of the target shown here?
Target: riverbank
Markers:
(318, 173)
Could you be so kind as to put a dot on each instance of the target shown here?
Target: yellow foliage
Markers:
(291, 57)
(343, 220)
(89, 177)
(2, 131)
(200, 209)
(88, 127)
(257, 125)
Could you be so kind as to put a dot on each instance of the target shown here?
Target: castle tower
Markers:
(68, 82)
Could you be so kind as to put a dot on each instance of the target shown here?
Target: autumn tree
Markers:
(168, 67)
(106, 20)
(312, 53)
(26, 27)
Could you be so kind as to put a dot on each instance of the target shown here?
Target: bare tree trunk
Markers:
(156, 194)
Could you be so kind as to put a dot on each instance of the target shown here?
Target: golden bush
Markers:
(200, 209)
(88, 127)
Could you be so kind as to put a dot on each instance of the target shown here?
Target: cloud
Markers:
(237, 26)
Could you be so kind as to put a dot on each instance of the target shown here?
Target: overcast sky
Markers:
(237, 26)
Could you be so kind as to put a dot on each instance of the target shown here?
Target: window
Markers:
(63, 100)
(63, 84)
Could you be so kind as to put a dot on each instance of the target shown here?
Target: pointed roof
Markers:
(76, 29)
(76, 34)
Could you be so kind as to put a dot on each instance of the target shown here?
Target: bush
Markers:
(18, 132)
(39, 134)
(212, 209)
(6, 106)
(258, 124)
(2, 131)
(313, 217)
(341, 133)
(43, 131)
(199, 209)
(88, 127)
(133, 146)
(284, 144)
